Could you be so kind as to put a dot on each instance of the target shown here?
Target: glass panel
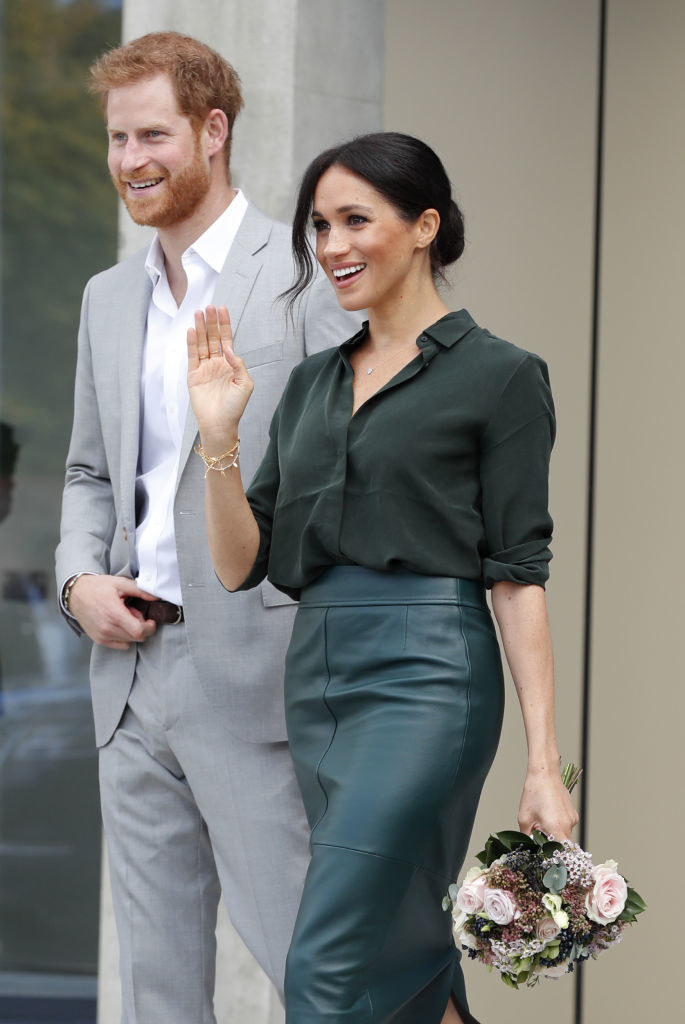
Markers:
(58, 228)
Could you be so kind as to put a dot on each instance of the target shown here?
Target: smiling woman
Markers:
(406, 471)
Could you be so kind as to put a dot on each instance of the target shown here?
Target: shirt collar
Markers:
(447, 331)
(212, 246)
(450, 329)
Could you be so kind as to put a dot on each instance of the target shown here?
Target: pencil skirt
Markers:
(394, 702)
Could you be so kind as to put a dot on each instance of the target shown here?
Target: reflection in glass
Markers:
(58, 228)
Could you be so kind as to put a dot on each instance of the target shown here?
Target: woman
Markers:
(405, 470)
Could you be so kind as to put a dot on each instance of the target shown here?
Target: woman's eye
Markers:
(319, 225)
(357, 218)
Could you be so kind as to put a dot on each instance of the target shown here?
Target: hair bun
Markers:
(449, 241)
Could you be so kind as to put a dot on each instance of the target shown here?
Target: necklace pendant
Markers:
(370, 370)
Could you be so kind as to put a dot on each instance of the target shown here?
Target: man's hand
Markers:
(97, 604)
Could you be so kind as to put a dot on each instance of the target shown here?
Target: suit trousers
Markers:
(190, 809)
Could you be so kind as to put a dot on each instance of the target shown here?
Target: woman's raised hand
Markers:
(218, 382)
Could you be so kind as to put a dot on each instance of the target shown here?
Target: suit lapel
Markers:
(131, 336)
(233, 287)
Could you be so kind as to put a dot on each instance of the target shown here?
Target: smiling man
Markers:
(197, 787)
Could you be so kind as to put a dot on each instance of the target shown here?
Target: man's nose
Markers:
(134, 156)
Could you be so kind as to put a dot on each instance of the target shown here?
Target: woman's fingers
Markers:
(201, 334)
(225, 331)
(214, 346)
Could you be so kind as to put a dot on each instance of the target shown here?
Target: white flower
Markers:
(468, 940)
(552, 903)
(459, 921)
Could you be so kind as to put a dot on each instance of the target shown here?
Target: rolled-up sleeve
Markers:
(514, 469)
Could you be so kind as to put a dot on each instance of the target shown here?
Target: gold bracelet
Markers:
(212, 462)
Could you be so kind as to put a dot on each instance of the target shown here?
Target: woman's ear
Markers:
(428, 226)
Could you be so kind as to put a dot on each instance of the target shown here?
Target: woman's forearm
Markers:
(521, 614)
(232, 529)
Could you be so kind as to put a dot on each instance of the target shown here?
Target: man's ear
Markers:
(215, 130)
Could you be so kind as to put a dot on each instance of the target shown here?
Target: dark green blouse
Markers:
(443, 471)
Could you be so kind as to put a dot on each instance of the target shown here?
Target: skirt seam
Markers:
(385, 856)
(330, 742)
(468, 712)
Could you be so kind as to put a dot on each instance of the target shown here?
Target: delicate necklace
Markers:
(385, 359)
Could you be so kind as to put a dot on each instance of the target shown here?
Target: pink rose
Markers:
(500, 906)
(609, 895)
(547, 929)
(471, 894)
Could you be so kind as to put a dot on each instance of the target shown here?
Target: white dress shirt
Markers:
(164, 396)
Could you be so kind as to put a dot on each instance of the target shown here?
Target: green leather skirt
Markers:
(394, 702)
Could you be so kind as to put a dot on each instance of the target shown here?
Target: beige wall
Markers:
(638, 707)
(507, 94)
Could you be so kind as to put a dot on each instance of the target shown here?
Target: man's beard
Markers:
(182, 193)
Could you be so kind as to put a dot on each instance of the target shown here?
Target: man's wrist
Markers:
(67, 588)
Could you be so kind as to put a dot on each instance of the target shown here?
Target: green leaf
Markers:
(508, 980)
(635, 901)
(493, 849)
(446, 903)
(512, 839)
(555, 877)
(539, 838)
(551, 847)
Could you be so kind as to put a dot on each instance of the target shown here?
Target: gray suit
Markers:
(224, 667)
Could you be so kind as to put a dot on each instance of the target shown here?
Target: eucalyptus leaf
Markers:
(555, 877)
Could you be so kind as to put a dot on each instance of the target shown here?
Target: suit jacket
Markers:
(237, 641)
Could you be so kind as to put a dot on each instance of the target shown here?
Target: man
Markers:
(196, 784)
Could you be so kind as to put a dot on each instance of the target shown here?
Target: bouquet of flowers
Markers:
(534, 907)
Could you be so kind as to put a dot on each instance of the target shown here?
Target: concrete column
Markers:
(312, 73)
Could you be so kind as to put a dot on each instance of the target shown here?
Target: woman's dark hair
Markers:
(406, 172)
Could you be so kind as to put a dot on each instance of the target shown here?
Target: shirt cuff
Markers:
(526, 563)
